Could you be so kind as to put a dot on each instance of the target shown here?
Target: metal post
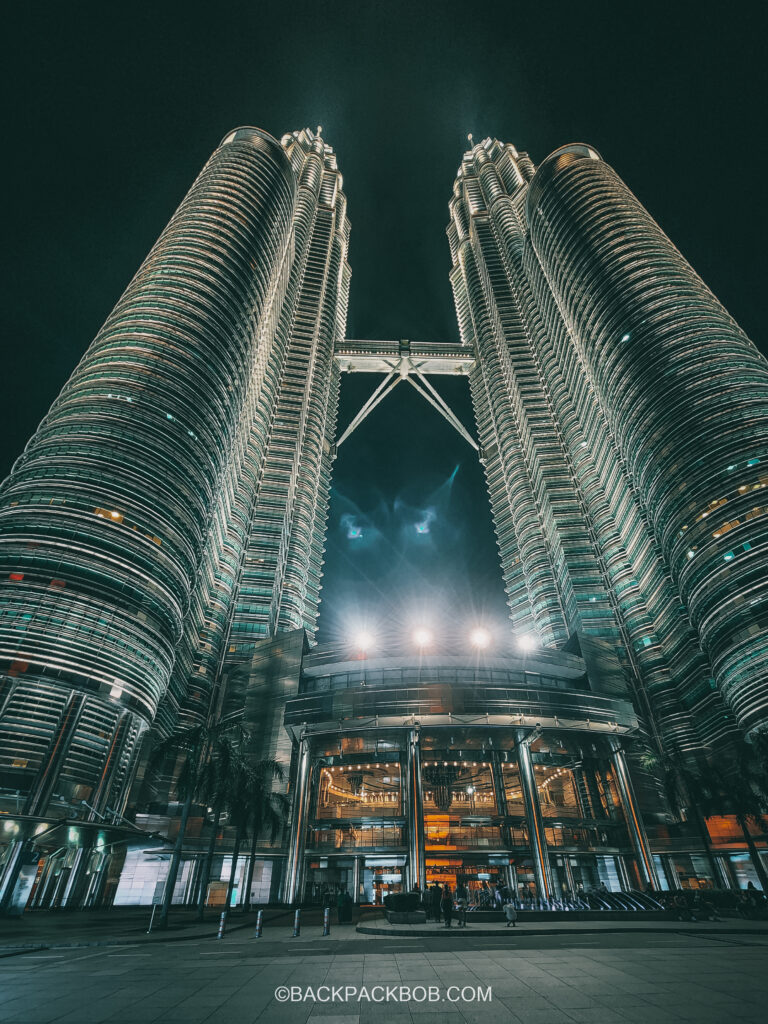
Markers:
(259, 924)
(152, 918)
(535, 822)
(633, 818)
(222, 924)
(295, 867)
(297, 924)
(414, 793)
(326, 921)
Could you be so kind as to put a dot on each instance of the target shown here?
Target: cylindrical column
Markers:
(633, 819)
(295, 866)
(535, 821)
(417, 869)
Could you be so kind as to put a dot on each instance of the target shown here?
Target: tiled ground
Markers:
(603, 980)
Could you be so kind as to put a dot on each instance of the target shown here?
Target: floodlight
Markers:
(364, 641)
(422, 637)
(480, 637)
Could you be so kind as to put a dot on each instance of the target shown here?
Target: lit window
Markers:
(17, 577)
(754, 462)
(728, 556)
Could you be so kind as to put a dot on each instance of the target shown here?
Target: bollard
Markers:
(222, 924)
(259, 924)
(327, 921)
(297, 924)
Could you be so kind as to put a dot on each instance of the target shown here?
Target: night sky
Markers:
(109, 117)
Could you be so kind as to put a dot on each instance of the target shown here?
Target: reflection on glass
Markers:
(359, 791)
(556, 787)
(464, 788)
(513, 789)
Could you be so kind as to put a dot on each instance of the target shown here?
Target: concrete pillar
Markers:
(633, 819)
(417, 869)
(535, 822)
(294, 875)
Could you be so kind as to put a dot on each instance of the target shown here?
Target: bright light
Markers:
(480, 637)
(526, 642)
(422, 637)
(364, 641)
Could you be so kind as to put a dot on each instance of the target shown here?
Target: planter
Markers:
(406, 916)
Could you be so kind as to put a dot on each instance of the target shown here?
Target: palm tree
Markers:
(683, 790)
(238, 785)
(194, 746)
(219, 773)
(267, 810)
(739, 788)
(252, 804)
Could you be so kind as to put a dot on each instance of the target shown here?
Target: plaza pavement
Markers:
(671, 975)
(665, 977)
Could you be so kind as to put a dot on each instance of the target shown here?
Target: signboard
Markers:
(23, 886)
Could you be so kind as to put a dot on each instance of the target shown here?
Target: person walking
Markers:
(447, 905)
(498, 900)
(436, 896)
(462, 900)
(510, 912)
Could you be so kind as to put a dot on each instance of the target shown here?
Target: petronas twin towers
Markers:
(170, 511)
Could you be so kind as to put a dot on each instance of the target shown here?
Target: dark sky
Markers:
(109, 117)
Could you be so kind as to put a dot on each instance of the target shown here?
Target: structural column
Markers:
(632, 816)
(295, 867)
(535, 821)
(40, 794)
(356, 879)
(417, 868)
(501, 796)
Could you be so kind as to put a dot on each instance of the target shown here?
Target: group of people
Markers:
(750, 904)
(440, 902)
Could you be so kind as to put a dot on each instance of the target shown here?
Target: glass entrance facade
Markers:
(467, 775)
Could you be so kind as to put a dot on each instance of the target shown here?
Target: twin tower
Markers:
(170, 511)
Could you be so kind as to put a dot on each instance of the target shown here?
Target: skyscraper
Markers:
(162, 535)
(623, 416)
(170, 508)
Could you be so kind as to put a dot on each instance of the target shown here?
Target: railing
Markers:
(355, 838)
